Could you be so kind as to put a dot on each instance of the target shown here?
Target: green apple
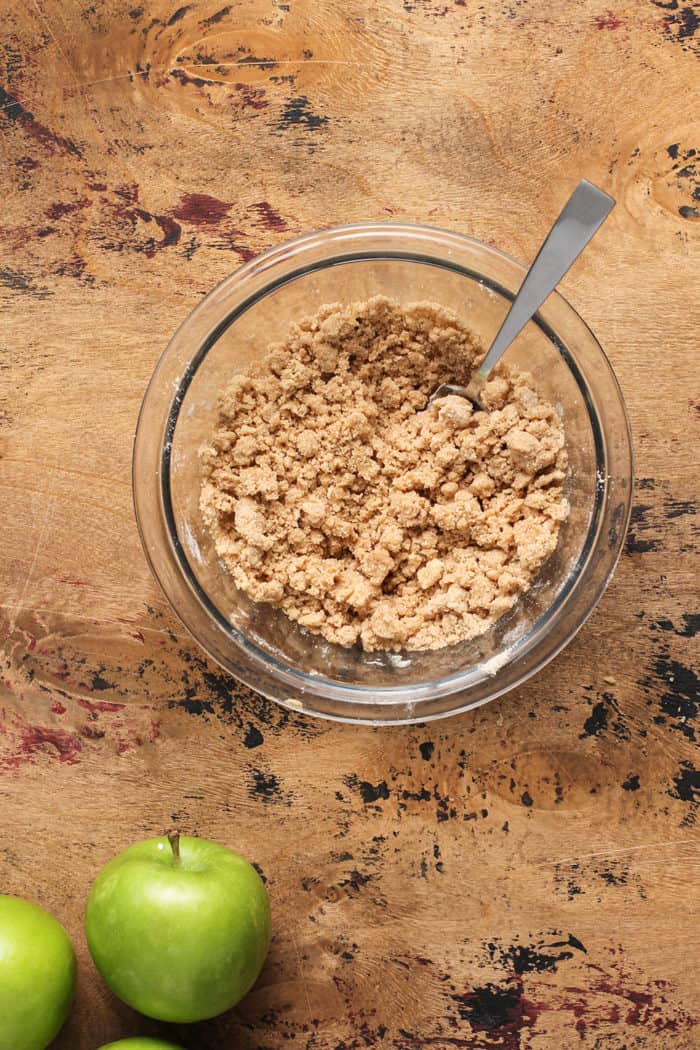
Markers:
(140, 1043)
(179, 928)
(37, 975)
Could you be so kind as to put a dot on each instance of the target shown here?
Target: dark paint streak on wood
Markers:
(100, 683)
(210, 693)
(640, 522)
(687, 21)
(58, 210)
(99, 705)
(269, 218)
(635, 546)
(20, 282)
(35, 740)
(646, 1007)
(608, 20)
(297, 113)
(681, 697)
(612, 877)
(217, 17)
(368, 792)
(373, 792)
(418, 796)
(184, 78)
(686, 783)
(180, 13)
(91, 732)
(498, 1008)
(679, 508)
(265, 786)
(200, 209)
(691, 625)
(541, 957)
(647, 519)
(355, 881)
(253, 60)
(13, 111)
(681, 25)
(171, 232)
(251, 97)
(253, 737)
(596, 722)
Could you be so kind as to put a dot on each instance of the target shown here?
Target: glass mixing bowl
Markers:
(232, 327)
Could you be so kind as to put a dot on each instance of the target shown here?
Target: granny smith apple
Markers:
(140, 1043)
(37, 975)
(178, 927)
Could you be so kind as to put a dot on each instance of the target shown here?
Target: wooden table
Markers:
(524, 876)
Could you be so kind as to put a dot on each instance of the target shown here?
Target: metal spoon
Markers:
(586, 210)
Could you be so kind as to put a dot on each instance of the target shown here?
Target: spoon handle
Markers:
(584, 212)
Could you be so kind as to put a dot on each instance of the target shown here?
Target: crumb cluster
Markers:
(335, 492)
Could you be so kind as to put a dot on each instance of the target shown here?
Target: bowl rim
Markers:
(314, 684)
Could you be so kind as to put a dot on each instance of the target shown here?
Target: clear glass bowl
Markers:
(232, 327)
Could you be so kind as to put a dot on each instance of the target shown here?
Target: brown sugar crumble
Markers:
(332, 491)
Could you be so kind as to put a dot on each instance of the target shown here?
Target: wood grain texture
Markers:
(522, 877)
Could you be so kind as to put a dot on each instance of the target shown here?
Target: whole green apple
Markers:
(140, 1043)
(179, 928)
(37, 975)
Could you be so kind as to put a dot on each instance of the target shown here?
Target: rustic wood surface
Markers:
(524, 876)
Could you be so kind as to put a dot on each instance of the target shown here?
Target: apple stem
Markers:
(174, 841)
